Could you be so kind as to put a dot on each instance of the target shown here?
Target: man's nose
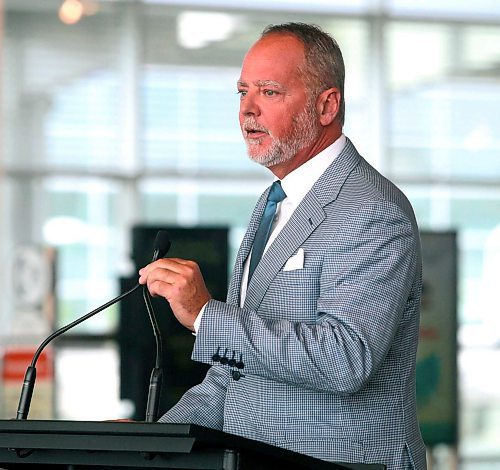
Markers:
(249, 105)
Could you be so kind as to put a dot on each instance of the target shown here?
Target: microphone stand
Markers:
(161, 247)
(155, 382)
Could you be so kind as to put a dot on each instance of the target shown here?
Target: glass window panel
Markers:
(476, 218)
(446, 8)
(419, 53)
(158, 208)
(421, 203)
(199, 107)
(480, 405)
(481, 48)
(326, 6)
(88, 389)
(479, 284)
(81, 127)
(79, 217)
(442, 121)
(353, 37)
(230, 209)
(63, 88)
(477, 313)
(223, 156)
(476, 212)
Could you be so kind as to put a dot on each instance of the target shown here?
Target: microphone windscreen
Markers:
(162, 244)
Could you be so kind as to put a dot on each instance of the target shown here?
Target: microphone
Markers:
(162, 245)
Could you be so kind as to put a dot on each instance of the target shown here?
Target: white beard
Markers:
(304, 132)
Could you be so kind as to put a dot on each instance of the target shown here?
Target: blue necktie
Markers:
(276, 194)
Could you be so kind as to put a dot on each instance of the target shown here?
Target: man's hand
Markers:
(181, 283)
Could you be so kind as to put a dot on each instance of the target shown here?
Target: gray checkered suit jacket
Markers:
(329, 349)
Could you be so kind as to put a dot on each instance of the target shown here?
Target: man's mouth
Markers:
(255, 132)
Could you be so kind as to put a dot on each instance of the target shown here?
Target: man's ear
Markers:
(328, 106)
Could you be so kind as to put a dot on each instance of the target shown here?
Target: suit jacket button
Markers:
(236, 374)
(216, 356)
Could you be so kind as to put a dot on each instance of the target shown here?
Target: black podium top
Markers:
(34, 444)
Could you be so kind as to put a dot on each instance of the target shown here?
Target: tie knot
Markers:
(276, 194)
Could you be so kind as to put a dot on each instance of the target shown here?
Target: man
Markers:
(314, 350)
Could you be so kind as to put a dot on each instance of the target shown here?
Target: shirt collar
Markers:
(297, 183)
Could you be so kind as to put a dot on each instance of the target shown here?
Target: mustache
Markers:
(250, 124)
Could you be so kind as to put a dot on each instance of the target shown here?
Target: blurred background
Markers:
(120, 117)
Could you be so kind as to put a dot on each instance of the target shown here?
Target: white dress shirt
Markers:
(296, 185)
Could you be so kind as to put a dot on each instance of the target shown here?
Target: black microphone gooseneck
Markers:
(30, 376)
(161, 247)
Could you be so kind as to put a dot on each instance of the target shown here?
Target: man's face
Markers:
(277, 118)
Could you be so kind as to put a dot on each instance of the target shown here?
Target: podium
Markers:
(75, 445)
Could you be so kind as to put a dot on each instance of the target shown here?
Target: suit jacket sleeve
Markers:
(356, 301)
(202, 404)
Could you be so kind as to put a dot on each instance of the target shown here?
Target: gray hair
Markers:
(324, 65)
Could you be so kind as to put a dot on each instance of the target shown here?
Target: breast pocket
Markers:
(293, 295)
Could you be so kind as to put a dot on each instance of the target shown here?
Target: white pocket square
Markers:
(295, 262)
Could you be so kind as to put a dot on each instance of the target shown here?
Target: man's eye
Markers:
(270, 92)
(242, 92)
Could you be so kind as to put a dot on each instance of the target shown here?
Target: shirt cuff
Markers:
(196, 324)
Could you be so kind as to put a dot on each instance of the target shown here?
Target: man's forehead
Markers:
(275, 57)
(281, 41)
